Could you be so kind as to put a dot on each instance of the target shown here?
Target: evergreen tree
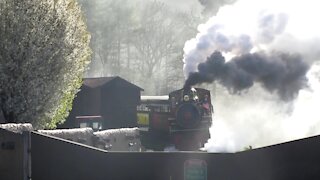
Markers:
(44, 49)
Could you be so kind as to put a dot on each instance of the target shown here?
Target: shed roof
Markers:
(106, 81)
(145, 98)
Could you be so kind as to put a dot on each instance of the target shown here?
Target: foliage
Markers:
(44, 48)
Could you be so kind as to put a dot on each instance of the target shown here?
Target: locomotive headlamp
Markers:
(186, 98)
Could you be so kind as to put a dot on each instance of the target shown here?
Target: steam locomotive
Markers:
(181, 119)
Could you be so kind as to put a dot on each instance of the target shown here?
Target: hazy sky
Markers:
(186, 5)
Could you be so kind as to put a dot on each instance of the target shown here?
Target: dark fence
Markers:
(14, 157)
(53, 159)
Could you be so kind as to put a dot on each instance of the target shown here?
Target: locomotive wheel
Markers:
(188, 116)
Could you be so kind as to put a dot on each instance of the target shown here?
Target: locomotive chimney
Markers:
(186, 88)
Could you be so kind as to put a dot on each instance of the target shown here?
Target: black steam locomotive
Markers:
(181, 119)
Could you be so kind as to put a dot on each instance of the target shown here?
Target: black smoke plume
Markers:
(280, 72)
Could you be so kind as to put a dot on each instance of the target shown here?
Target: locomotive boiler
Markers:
(182, 119)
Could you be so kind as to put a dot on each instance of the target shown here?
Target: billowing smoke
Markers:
(264, 47)
(279, 72)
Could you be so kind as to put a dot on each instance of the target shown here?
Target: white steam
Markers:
(256, 117)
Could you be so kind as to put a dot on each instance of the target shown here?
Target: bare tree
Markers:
(141, 41)
(44, 49)
(212, 6)
(111, 26)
